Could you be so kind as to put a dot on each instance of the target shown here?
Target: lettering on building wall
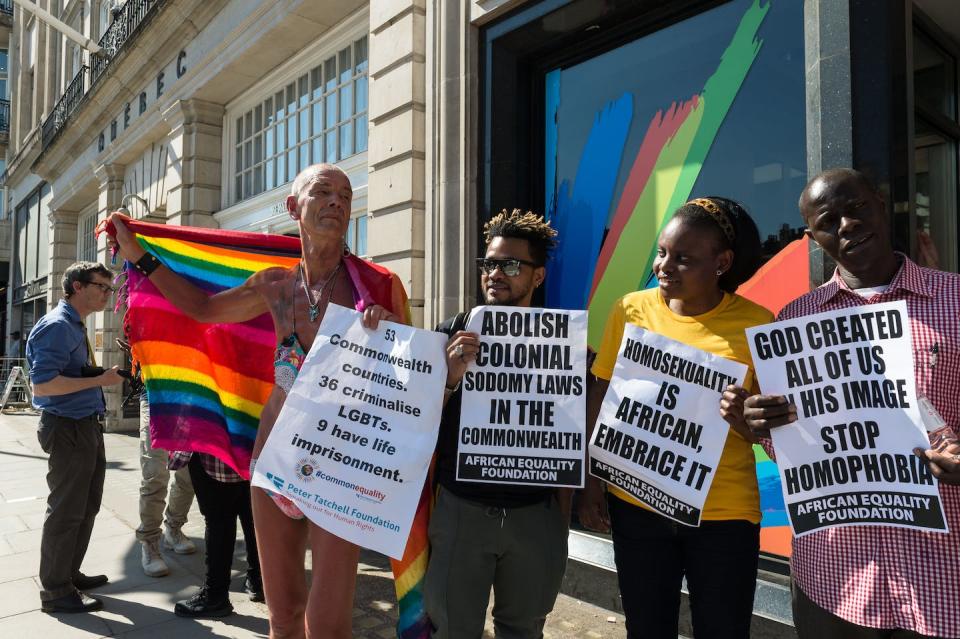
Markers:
(127, 115)
(181, 67)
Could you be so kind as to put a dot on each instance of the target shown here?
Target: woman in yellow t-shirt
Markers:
(705, 252)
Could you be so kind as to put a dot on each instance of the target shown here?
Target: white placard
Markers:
(354, 439)
(523, 414)
(660, 435)
(847, 460)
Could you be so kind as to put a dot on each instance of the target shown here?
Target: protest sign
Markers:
(355, 436)
(523, 413)
(847, 459)
(660, 435)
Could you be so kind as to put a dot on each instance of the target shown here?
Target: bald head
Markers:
(816, 187)
(847, 217)
(312, 173)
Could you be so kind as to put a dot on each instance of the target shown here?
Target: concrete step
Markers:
(592, 577)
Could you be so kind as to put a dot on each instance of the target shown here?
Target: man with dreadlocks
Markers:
(510, 538)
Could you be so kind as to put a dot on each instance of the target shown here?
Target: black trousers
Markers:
(653, 554)
(75, 472)
(813, 622)
(221, 504)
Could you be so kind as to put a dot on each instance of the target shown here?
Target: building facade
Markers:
(6, 24)
(604, 115)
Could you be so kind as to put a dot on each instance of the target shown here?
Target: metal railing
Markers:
(4, 116)
(66, 105)
(6, 6)
(126, 24)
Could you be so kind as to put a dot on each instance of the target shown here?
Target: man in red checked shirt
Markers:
(878, 581)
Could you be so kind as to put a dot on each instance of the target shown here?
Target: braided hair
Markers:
(524, 225)
(733, 229)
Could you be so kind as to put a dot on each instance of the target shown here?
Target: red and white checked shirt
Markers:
(213, 466)
(879, 576)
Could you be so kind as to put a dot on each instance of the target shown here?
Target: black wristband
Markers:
(452, 389)
(147, 264)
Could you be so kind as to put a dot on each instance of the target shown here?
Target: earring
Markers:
(719, 272)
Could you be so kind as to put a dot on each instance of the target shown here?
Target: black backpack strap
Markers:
(450, 326)
(460, 321)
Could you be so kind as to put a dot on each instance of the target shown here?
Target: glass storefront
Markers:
(936, 133)
(710, 105)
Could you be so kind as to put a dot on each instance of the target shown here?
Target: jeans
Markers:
(221, 504)
(75, 474)
(153, 486)
(520, 552)
(653, 554)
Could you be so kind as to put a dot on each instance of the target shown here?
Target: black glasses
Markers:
(510, 267)
(106, 288)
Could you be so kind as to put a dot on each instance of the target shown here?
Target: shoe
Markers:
(203, 605)
(152, 561)
(74, 602)
(87, 582)
(175, 540)
(253, 586)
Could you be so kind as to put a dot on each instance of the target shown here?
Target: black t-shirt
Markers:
(499, 495)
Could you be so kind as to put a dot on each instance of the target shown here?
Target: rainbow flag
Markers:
(208, 383)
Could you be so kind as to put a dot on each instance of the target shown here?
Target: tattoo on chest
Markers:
(289, 305)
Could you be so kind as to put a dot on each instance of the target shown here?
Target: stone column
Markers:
(829, 100)
(396, 190)
(107, 324)
(194, 160)
(451, 160)
(40, 73)
(51, 66)
(22, 95)
(95, 32)
(63, 250)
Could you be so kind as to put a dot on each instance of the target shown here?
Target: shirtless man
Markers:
(296, 298)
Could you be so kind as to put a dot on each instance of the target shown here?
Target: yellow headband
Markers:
(719, 216)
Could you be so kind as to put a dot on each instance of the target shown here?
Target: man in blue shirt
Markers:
(71, 434)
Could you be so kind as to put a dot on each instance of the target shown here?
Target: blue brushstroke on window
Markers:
(552, 105)
(582, 211)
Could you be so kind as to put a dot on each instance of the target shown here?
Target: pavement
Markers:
(141, 607)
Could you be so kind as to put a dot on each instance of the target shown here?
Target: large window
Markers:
(32, 237)
(321, 116)
(357, 235)
(86, 238)
(31, 44)
(711, 105)
(936, 136)
(4, 70)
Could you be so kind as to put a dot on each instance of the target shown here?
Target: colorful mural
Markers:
(623, 153)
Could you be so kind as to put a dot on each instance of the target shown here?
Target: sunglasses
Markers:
(509, 267)
(106, 288)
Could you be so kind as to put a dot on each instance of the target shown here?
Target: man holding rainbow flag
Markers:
(208, 310)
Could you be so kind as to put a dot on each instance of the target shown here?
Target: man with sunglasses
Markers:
(511, 538)
(71, 434)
